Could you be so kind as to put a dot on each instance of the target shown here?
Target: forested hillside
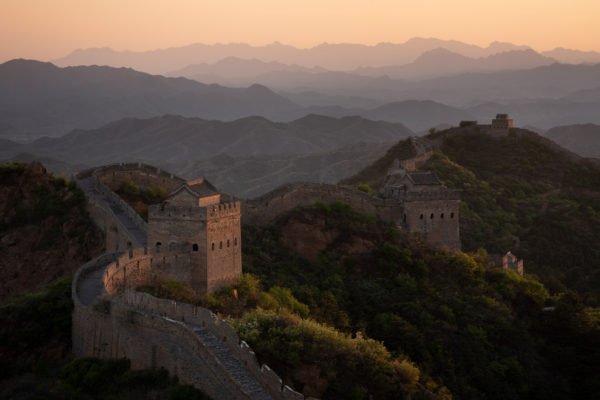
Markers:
(521, 193)
(450, 326)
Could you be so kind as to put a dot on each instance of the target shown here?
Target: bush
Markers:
(291, 343)
(365, 187)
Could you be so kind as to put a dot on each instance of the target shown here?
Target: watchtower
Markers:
(510, 261)
(502, 122)
(428, 208)
(195, 219)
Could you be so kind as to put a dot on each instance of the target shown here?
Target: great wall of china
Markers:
(112, 320)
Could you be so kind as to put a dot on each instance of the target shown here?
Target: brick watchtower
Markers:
(195, 219)
(427, 207)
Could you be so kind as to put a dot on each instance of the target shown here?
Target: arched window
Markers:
(451, 215)
(442, 216)
(213, 246)
(421, 216)
(404, 218)
(431, 216)
(158, 244)
(220, 245)
(194, 247)
(227, 242)
(235, 241)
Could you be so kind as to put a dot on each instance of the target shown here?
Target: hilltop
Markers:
(520, 192)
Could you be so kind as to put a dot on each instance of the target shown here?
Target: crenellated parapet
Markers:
(112, 320)
(167, 211)
(143, 175)
(266, 208)
(445, 194)
(223, 209)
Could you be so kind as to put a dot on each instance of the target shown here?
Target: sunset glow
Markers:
(49, 29)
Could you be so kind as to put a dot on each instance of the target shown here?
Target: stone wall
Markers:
(412, 164)
(117, 235)
(265, 209)
(405, 212)
(115, 238)
(141, 174)
(115, 199)
(152, 332)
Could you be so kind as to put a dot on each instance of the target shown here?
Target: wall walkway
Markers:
(112, 320)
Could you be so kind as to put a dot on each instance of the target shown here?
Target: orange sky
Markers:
(46, 29)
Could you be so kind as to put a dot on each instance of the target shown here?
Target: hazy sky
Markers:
(46, 29)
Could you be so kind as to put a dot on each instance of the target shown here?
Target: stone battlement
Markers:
(141, 174)
(266, 208)
(223, 209)
(188, 341)
(164, 211)
(143, 267)
(128, 167)
(446, 194)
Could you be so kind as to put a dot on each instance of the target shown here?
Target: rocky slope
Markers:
(45, 230)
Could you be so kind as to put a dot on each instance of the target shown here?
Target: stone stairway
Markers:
(232, 364)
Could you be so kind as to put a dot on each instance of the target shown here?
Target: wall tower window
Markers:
(194, 247)
(220, 245)
(213, 247)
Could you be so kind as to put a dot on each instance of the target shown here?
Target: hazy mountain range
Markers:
(252, 176)
(583, 139)
(329, 56)
(248, 156)
(41, 99)
(234, 71)
(556, 81)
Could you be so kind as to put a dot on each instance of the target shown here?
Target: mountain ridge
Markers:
(331, 56)
(43, 99)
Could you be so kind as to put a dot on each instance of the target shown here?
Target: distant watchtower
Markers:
(510, 261)
(428, 208)
(195, 219)
(502, 122)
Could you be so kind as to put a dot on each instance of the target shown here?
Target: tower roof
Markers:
(423, 178)
(198, 188)
(201, 187)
